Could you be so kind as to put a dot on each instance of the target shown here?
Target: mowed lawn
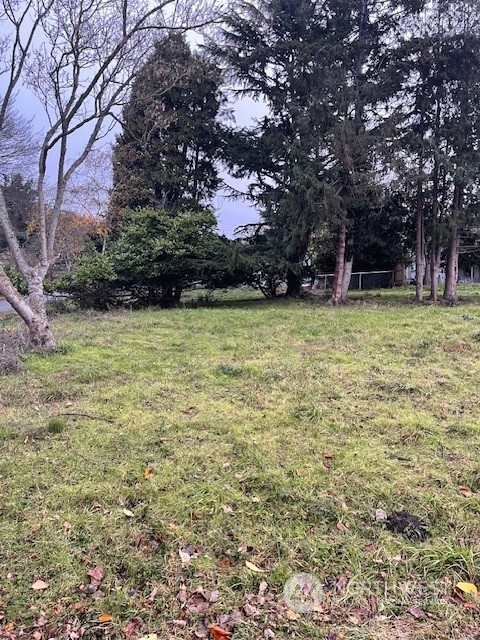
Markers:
(167, 471)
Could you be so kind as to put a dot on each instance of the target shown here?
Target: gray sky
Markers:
(230, 213)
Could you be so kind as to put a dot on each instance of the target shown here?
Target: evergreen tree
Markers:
(166, 155)
(20, 198)
(439, 153)
(320, 68)
(272, 49)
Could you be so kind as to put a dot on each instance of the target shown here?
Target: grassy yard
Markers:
(169, 470)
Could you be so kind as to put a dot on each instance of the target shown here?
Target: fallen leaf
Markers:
(181, 624)
(342, 583)
(96, 573)
(253, 567)
(130, 628)
(37, 635)
(291, 615)
(152, 595)
(466, 492)
(148, 473)
(467, 587)
(417, 612)
(328, 455)
(341, 527)
(227, 509)
(249, 609)
(213, 595)
(39, 585)
(151, 636)
(200, 631)
(184, 556)
(128, 513)
(380, 514)
(372, 601)
(218, 633)
(104, 617)
(268, 633)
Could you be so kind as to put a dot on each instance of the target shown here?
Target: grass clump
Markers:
(272, 434)
(56, 425)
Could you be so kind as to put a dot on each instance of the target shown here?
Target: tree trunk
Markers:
(435, 248)
(32, 313)
(336, 297)
(419, 245)
(434, 271)
(294, 282)
(348, 266)
(451, 273)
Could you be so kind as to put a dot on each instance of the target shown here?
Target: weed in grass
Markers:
(56, 425)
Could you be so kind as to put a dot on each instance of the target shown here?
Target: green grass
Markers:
(233, 408)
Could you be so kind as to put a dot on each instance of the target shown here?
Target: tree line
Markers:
(369, 149)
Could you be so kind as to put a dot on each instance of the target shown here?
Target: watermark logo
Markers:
(303, 593)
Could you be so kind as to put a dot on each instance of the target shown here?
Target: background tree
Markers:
(166, 155)
(78, 58)
(273, 50)
(438, 133)
(20, 199)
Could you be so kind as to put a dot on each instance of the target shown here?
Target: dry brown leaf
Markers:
(341, 527)
(105, 617)
(219, 633)
(148, 473)
(417, 612)
(152, 595)
(342, 583)
(465, 491)
(39, 585)
(130, 628)
(328, 455)
(96, 573)
(253, 567)
(291, 615)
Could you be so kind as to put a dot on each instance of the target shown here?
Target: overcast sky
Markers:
(230, 213)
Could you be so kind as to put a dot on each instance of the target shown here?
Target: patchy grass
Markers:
(247, 431)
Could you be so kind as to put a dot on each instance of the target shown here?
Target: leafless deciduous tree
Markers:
(78, 57)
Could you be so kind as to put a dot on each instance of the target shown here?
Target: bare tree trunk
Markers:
(420, 245)
(348, 266)
(347, 276)
(336, 297)
(33, 312)
(435, 248)
(451, 274)
(435, 255)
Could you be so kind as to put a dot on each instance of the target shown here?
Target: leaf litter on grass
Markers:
(289, 477)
